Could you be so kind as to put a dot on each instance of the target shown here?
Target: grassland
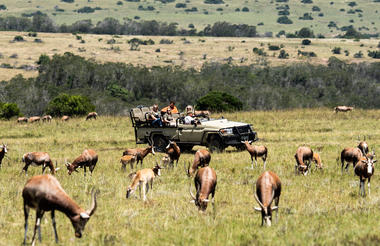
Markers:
(321, 209)
(189, 52)
(260, 11)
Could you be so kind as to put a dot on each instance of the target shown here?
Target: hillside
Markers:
(327, 17)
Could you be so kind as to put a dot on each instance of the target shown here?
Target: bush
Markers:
(32, 34)
(67, 1)
(3, 7)
(166, 41)
(259, 52)
(305, 32)
(245, 9)
(219, 102)
(214, 1)
(193, 9)
(316, 9)
(283, 12)
(283, 55)
(374, 54)
(65, 104)
(306, 1)
(306, 16)
(119, 3)
(8, 110)
(88, 9)
(284, 20)
(358, 55)
(273, 47)
(336, 50)
(306, 42)
(18, 38)
(181, 5)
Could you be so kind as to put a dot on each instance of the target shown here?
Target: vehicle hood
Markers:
(222, 123)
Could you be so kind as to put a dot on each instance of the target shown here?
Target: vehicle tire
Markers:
(215, 144)
(160, 143)
(241, 147)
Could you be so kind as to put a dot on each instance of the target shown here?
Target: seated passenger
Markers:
(168, 119)
(190, 120)
(172, 107)
(156, 116)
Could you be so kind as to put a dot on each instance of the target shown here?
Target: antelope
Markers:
(350, 155)
(22, 119)
(47, 118)
(317, 160)
(38, 159)
(142, 178)
(363, 146)
(34, 119)
(268, 188)
(205, 183)
(256, 151)
(365, 168)
(65, 118)
(174, 152)
(3, 151)
(343, 109)
(44, 193)
(202, 158)
(304, 156)
(140, 153)
(88, 158)
(165, 161)
(91, 115)
(128, 159)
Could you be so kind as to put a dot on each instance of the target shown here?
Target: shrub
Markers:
(166, 41)
(3, 7)
(283, 12)
(219, 102)
(284, 20)
(214, 1)
(181, 5)
(67, 1)
(32, 34)
(259, 52)
(352, 4)
(18, 38)
(219, 9)
(305, 32)
(374, 54)
(245, 9)
(237, 10)
(307, 54)
(191, 25)
(65, 104)
(273, 47)
(283, 55)
(306, 1)
(358, 55)
(336, 50)
(119, 3)
(87, 9)
(346, 52)
(316, 9)
(306, 16)
(306, 42)
(193, 9)
(37, 40)
(8, 110)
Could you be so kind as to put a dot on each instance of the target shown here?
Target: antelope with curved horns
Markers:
(47, 118)
(3, 151)
(304, 156)
(22, 119)
(174, 152)
(343, 109)
(363, 146)
(202, 158)
(365, 168)
(205, 183)
(88, 158)
(140, 153)
(44, 193)
(91, 115)
(34, 119)
(256, 151)
(268, 189)
(38, 159)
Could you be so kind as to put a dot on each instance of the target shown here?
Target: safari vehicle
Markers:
(216, 134)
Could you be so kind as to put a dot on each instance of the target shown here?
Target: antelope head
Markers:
(266, 212)
(79, 222)
(4, 147)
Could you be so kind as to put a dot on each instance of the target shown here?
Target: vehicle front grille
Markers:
(243, 129)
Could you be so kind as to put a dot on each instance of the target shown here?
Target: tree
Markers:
(219, 101)
(9, 110)
(305, 32)
(65, 104)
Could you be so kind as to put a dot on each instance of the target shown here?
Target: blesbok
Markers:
(88, 158)
(44, 193)
(22, 119)
(365, 168)
(128, 159)
(343, 109)
(140, 153)
(256, 151)
(65, 118)
(317, 160)
(304, 157)
(268, 188)
(91, 115)
(143, 178)
(205, 183)
(350, 155)
(174, 152)
(34, 119)
(3, 151)
(38, 159)
(363, 146)
(165, 161)
(47, 118)
(202, 158)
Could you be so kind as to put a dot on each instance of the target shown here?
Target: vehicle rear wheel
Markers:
(160, 143)
(216, 144)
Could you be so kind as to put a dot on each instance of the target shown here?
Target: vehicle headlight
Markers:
(226, 131)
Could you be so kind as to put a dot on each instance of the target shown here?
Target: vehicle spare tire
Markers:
(160, 143)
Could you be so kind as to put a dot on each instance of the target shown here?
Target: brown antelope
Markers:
(365, 168)
(128, 159)
(88, 158)
(3, 151)
(22, 119)
(91, 115)
(205, 183)
(140, 153)
(143, 178)
(38, 159)
(317, 160)
(165, 161)
(268, 188)
(343, 109)
(363, 146)
(34, 119)
(174, 152)
(304, 157)
(47, 118)
(65, 118)
(44, 193)
(256, 151)
(202, 158)
(350, 155)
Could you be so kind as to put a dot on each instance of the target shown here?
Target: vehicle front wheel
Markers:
(160, 143)
(216, 144)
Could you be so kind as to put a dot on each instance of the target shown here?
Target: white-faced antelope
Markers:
(365, 168)
(268, 189)
(143, 178)
(256, 151)
(350, 155)
(88, 158)
(44, 193)
(304, 157)
(34, 119)
(47, 118)
(38, 159)
(174, 152)
(3, 151)
(165, 161)
(202, 158)
(140, 153)
(65, 118)
(205, 182)
(343, 109)
(91, 115)
(128, 159)
(22, 119)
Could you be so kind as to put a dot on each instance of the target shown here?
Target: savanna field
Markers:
(323, 208)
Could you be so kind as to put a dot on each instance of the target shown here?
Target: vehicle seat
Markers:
(138, 116)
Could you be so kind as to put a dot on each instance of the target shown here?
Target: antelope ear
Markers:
(84, 215)
(257, 209)
(274, 208)
(374, 161)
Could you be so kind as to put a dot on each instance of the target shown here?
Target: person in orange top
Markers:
(172, 107)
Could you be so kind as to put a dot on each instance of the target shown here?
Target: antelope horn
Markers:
(191, 193)
(92, 209)
(258, 201)
(271, 199)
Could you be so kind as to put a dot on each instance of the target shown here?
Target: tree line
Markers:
(115, 87)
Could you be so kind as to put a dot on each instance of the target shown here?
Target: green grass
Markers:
(320, 209)
(260, 11)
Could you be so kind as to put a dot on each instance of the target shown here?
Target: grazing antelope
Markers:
(65, 118)
(363, 146)
(268, 188)
(88, 158)
(256, 151)
(365, 168)
(205, 183)
(34, 119)
(140, 153)
(350, 155)
(91, 115)
(47, 118)
(128, 159)
(317, 160)
(22, 119)
(174, 152)
(165, 160)
(343, 109)
(44, 193)
(202, 158)
(142, 178)
(304, 157)
(38, 159)
(3, 151)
